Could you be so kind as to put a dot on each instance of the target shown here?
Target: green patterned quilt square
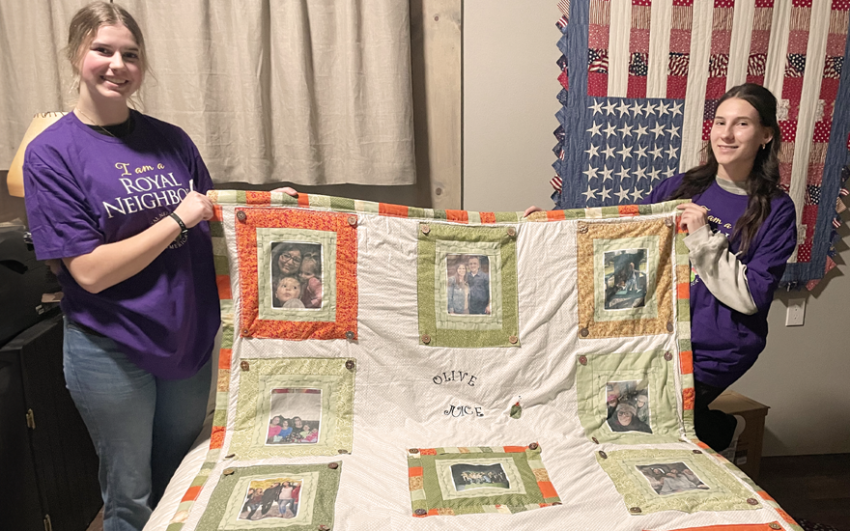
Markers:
(628, 398)
(453, 481)
(467, 286)
(675, 480)
(273, 498)
(290, 407)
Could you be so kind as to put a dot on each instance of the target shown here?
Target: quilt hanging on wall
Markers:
(386, 367)
(641, 80)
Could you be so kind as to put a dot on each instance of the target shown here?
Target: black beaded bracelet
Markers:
(183, 229)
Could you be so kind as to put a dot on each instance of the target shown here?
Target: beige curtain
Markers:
(313, 92)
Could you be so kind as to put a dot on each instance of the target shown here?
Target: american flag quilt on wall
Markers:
(641, 80)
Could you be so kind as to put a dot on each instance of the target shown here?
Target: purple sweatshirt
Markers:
(725, 342)
(85, 189)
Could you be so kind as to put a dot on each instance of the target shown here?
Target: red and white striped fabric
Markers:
(695, 50)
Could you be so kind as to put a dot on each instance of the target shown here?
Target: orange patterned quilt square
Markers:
(625, 278)
(343, 324)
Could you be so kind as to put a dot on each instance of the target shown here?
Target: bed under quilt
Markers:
(389, 367)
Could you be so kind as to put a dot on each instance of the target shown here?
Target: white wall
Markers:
(510, 89)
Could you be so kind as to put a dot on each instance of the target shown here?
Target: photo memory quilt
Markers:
(408, 369)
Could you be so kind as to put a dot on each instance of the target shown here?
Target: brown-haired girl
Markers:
(117, 198)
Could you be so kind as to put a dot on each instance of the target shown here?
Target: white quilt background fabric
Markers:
(398, 406)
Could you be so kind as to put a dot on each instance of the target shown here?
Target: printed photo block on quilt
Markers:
(273, 498)
(453, 481)
(467, 286)
(289, 407)
(625, 278)
(675, 480)
(297, 273)
(628, 398)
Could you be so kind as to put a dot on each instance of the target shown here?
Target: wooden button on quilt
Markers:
(323, 527)
(349, 365)
(513, 340)
(426, 229)
(426, 339)
(668, 356)
(603, 455)
(245, 365)
(333, 466)
(752, 501)
(669, 326)
(511, 232)
(635, 510)
(533, 446)
(420, 512)
(241, 215)
(582, 360)
(229, 471)
(343, 451)
(230, 456)
(245, 331)
(349, 335)
(352, 220)
(668, 222)
(414, 450)
(697, 451)
(594, 439)
(774, 525)
(584, 332)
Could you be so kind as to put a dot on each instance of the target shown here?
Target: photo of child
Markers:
(469, 477)
(296, 275)
(625, 279)
(295, 416)
(311, 279)
(271, 498)
(671, 478)
(287, 293)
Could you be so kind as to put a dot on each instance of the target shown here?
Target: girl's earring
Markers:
(763, 145)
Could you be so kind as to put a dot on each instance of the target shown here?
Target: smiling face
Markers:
(461, 271)
(110, 68)
(624, 417)
(289, 262)
(474, 265)
(736, 137)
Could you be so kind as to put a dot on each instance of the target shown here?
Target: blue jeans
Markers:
(141, 426)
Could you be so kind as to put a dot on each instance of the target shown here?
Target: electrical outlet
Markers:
(796, 312)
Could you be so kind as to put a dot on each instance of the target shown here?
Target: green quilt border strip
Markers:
(602, 368)
(226, 495)
(265, 237)
(726, 492)
(430, 333)
(650, 308)
(429, 498)
(682, 288)
(325, 373)
(342, 204)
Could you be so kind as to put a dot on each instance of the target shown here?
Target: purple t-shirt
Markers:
(725, 342)
(85, 189)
